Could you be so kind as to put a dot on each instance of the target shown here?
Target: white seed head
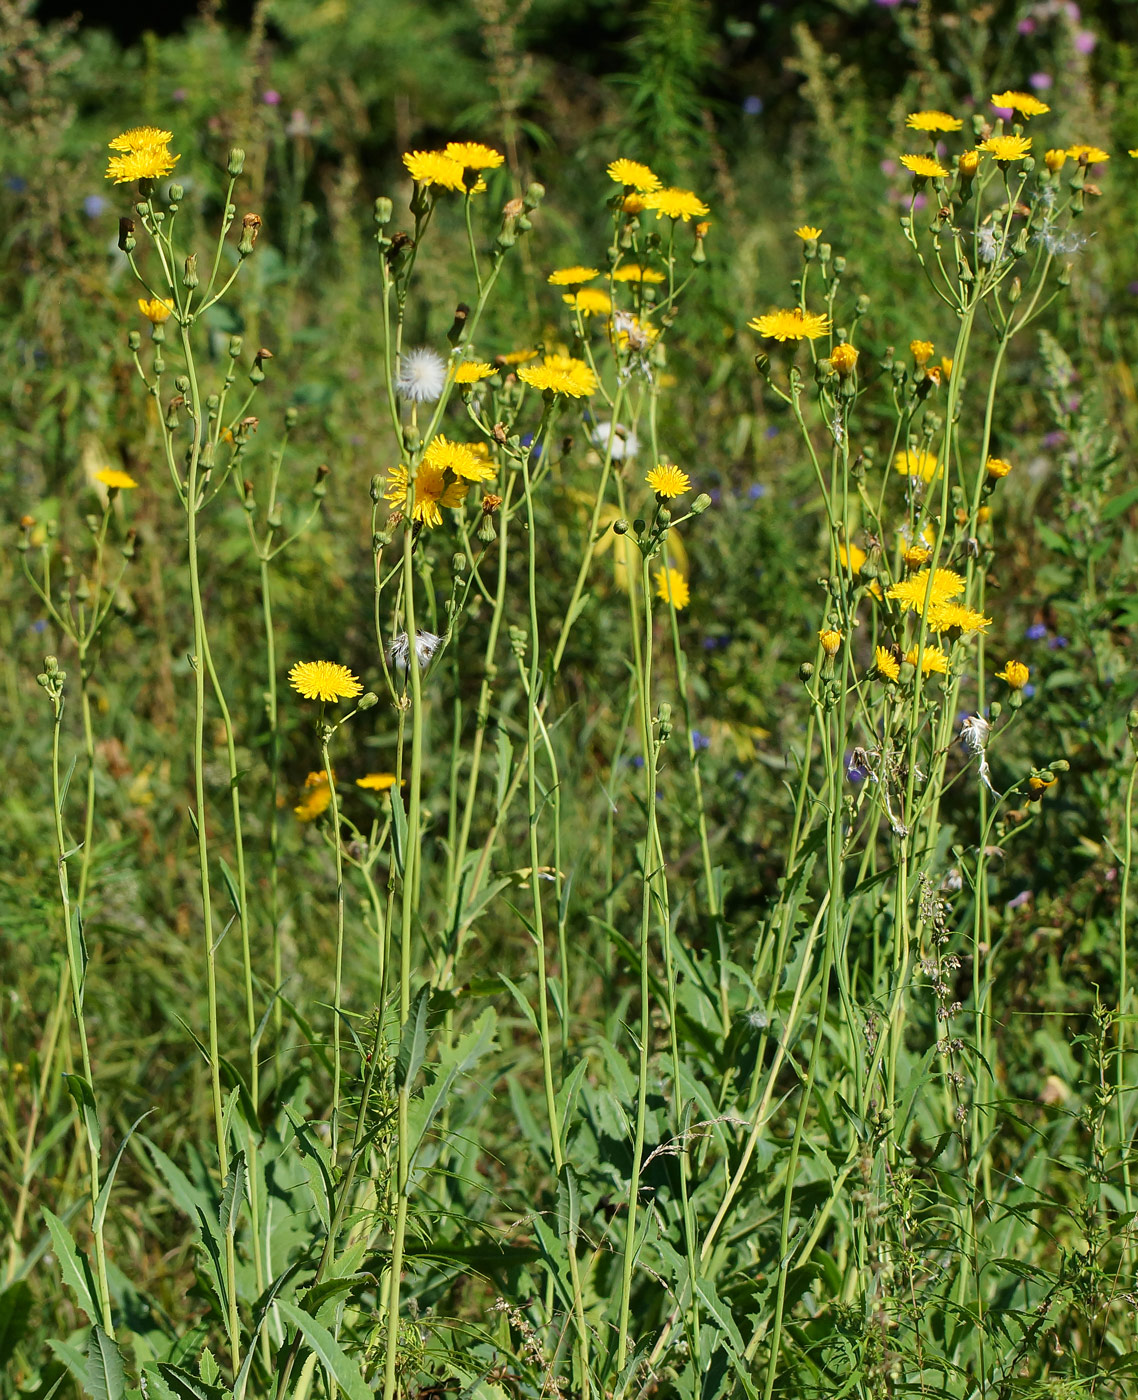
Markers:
(421, 376)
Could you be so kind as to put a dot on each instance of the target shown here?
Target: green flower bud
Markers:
(236, 160)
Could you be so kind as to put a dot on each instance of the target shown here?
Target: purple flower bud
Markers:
(271, 97)
(1041, 81)
(1085, 41)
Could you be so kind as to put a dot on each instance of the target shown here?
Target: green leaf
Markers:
(84, 1097)
(73, 1265)
(105, 1190)
(187, 1386)
(413, 1040)
(398, 830)
(105, 1378)
(233, 1194)
(342, 1368)
(568, 1208)
(15, 1305)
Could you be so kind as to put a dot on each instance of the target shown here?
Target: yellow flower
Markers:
(831, 640)
(946, 366)
(436, 168)
(140, 136)
(589, 301)
(1038, 784)
(154, 310)
(673, 203)
(791, 325)
(672, 586)
(1006, 148)
(115, 480)
(563, 375)
(316, 798)
(921, 351)
(472, 155)
(376, 782)
(431, 492)
(1088, 155)
(1021, 102)
(944, 616)
(459, 458)
(632, 175)
(808, 233)
(324, 680)
(633, 272)
(887, 664)
(668, 481)
(568, 276)
(968, 162)
(924, 167)
(472, 371)
(517, 357)
(996, 466)
(921, 464)
(940, 587)
(1015, 673)
(145, 163)
(933, 660)
(916, 555)
(933, 121)
(843, 357)
(852, 557)
(1055, 160)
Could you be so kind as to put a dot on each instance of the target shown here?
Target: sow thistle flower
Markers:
(139, 137)
(924, 167)
(943, 617)
(633, 175)
(156, 311)
(791, 325)
(933, 121)
(968, 162)
(316, 797)
(887, 664)
(1022, 102)
(1007, 148)
(933, 659)
(472, 155)
(674, 203)
(458, 458)
(633, 272)
(432, 490)
(1055, 160)
(671, 586)
(376, 782)
(843, 357)
(115, 480)
(668, 482)
(589, 301)
(141, 162)
(808, 233)
(1088, 155)
(997, 467)
(941, 587)
(563, 375)
(430, 168)
(831, 640)
(325, 681)
(921, 464)
(1015, 673)
(473, 371)
(569, 276)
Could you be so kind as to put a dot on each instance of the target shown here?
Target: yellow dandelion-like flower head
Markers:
(376, 782)
(1055, 160)
(143, 163)
(1015, 673)
(968, 162)
(139, 137)
(887, 664)
(674, 203)
(154, 310)
(933, 659)
(432, 491)
(634, 203)
(921, 464)
(671, 586)
(843, 357)
(852, 557)
(808, 233)
(916, 555)
(115, 480)
(633, 272)
(589, 301)
(1005, 148)
(472, 371)
(831, 640)
(938, 588)
(472, 155)
(921, 351)
(516, 357)
(324, 680)
(997, 467)
(634, 176)
(458, 458)
(1022, 102)
(570, 276)
(430, 168)
(924, 167)
(561, 374)
(668, 481)
(945, 616)
(933, 121)
(1088, 155)
(1038, 784)
(316, 797)
(791, 325)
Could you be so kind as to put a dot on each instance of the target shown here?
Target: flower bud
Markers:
(134, 342)
(127, 240)
(250, 228)
(236, 160)
(701, 503)
(806, 671)
(190, 272)
(383, 210)
(533, 196)
(368, 700)
(620, 527)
